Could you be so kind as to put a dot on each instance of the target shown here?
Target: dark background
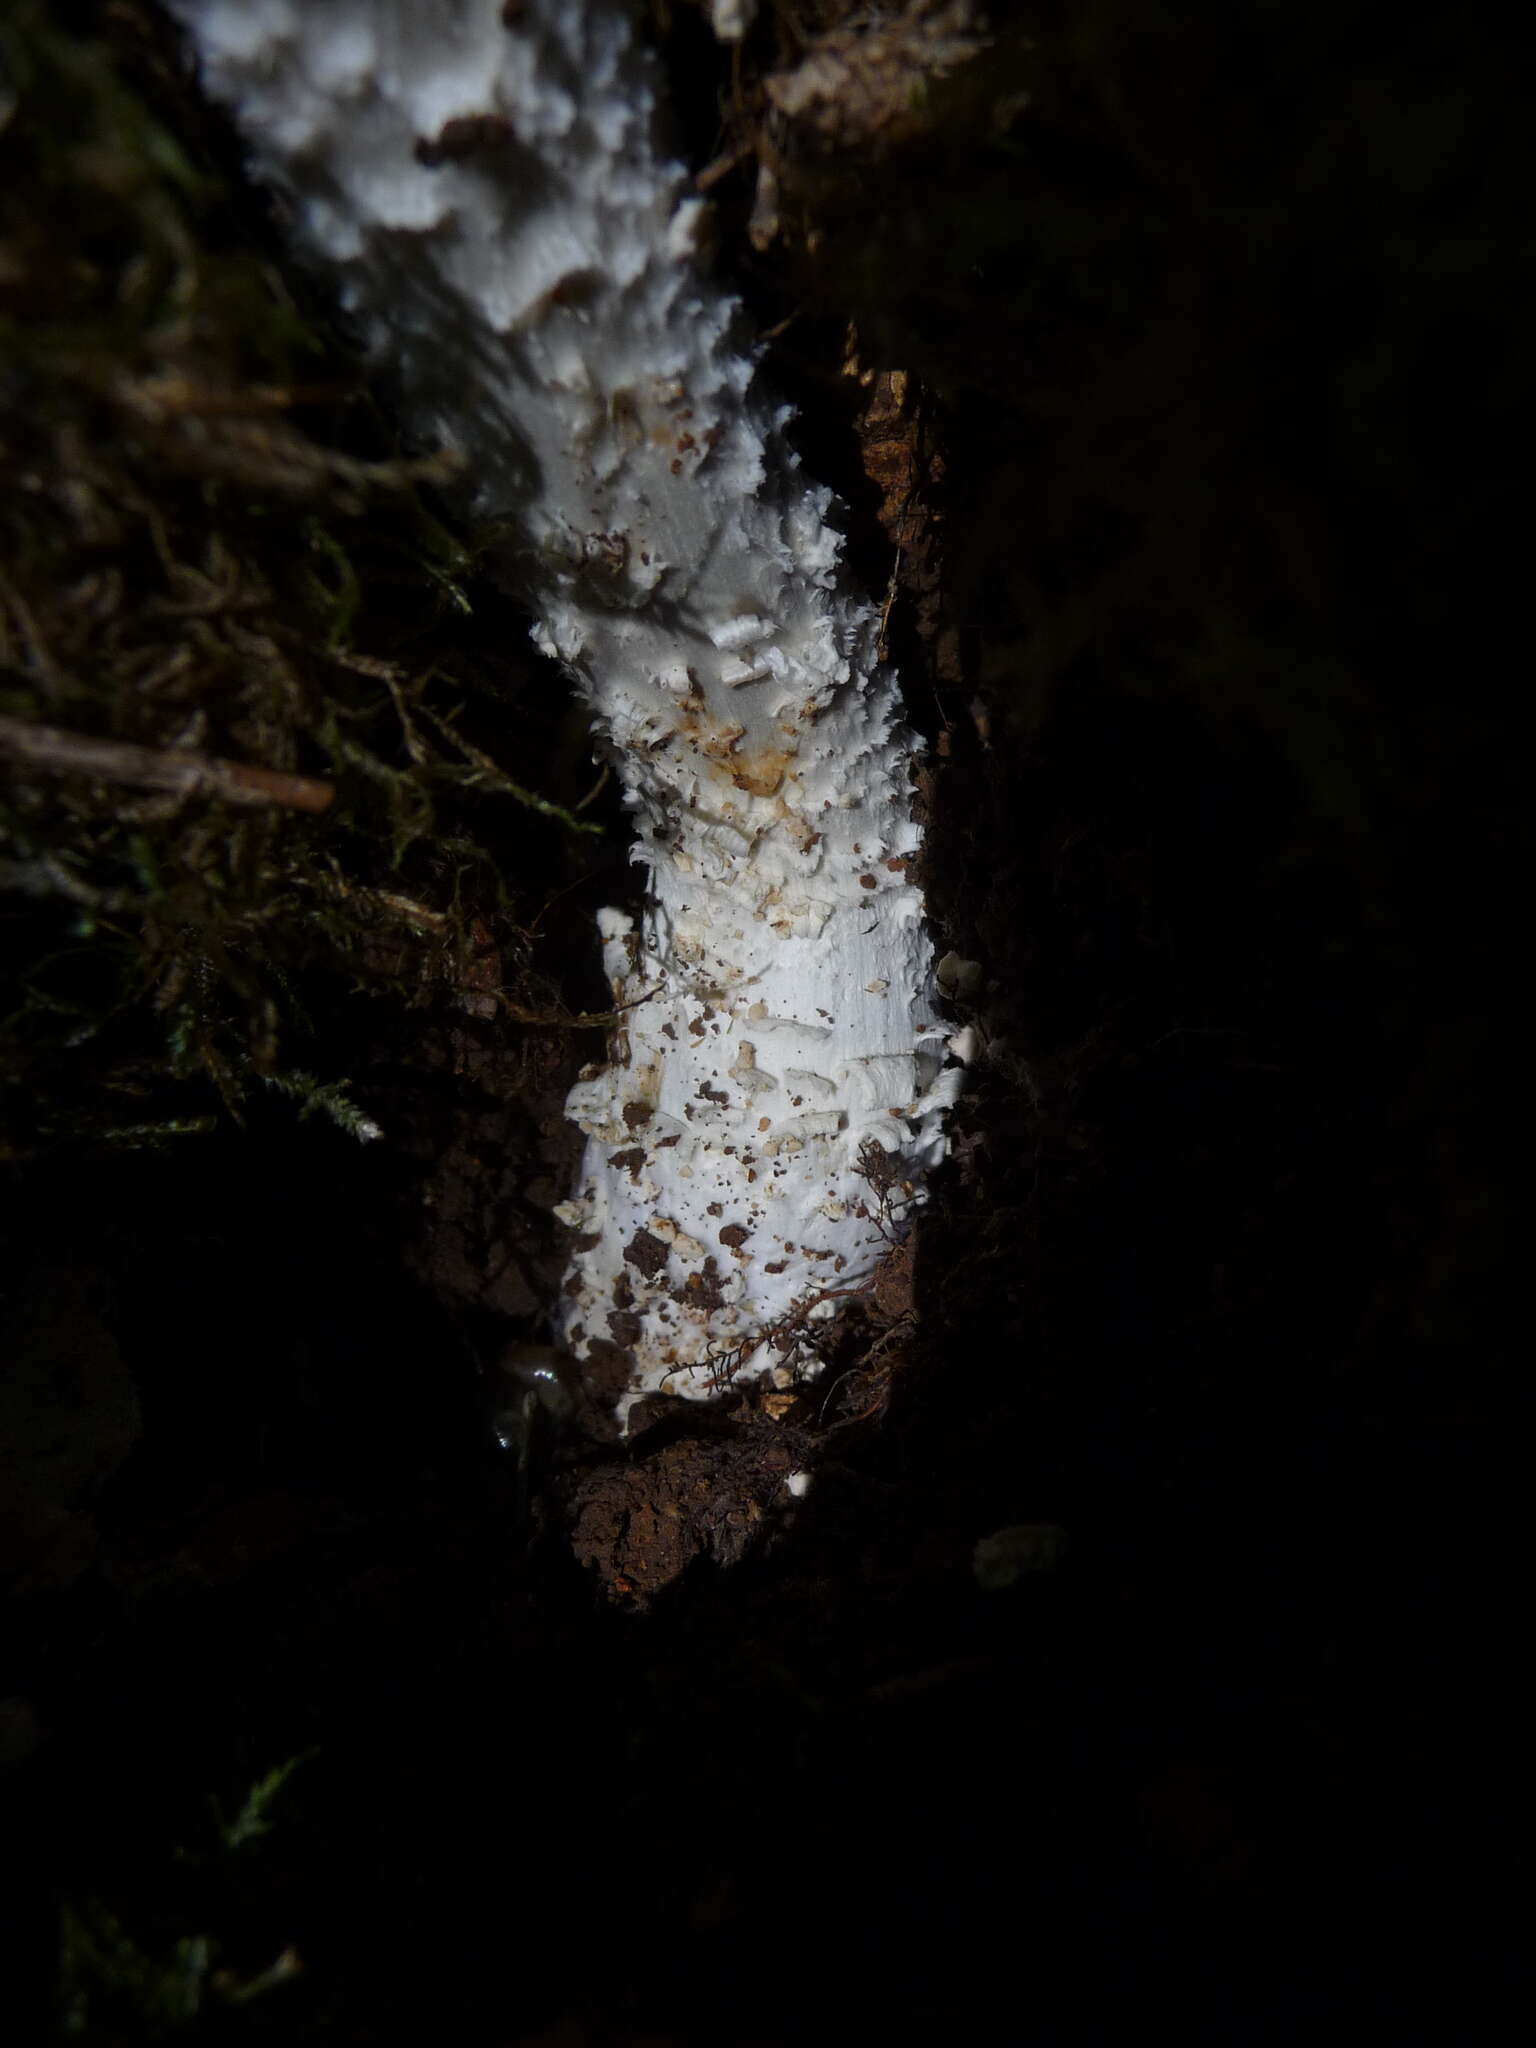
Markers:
(1223, 337)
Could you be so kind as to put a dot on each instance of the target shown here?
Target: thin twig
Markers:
(722, 167)
(46, 667)
(595, 791)
(56, 752)
(578, 1020)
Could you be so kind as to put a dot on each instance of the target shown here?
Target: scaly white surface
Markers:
(498, 212)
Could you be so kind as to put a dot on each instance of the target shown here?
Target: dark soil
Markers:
(1216, 349)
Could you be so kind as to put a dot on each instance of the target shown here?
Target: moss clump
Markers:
(253, 695)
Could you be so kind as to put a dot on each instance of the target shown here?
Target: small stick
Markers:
(572, 1020)
(722, 166)
(56, 752)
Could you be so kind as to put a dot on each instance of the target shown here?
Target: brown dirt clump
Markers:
(639, 1526)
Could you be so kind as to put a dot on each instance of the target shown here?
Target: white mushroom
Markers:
(488, 192)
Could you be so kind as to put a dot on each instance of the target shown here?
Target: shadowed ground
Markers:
(1213, 339)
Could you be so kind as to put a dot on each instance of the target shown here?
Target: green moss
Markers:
(135, 1969)
(211, 549)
